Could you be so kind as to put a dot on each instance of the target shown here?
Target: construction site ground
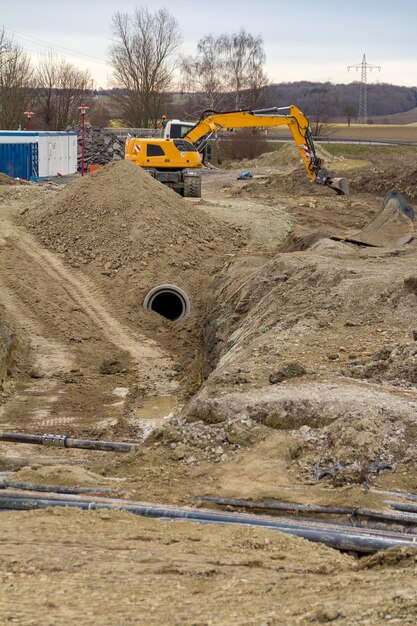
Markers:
(300, 352)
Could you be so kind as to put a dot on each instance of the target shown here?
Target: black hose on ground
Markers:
(17, 462)
(62, 441)
(274, 505)
(342, 538)
(402, 506)
(395, 494)
(389, 516)
(11, 484)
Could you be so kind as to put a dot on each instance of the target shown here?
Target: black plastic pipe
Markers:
(341, 538)
(11, 484)
(389, 516)
(403, 506)
(395, 494)
(274, 505)
(63, 497)
(62, 441)
(17, 462)
(407, 519)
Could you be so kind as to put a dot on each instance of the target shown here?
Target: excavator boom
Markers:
(211, 122)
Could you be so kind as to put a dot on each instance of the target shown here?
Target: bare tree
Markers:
(320, 105)
(143, 63)
(350, 112)
(227, 68)
(244, 59)
(15, 83)
(62, 88)
(203, 74)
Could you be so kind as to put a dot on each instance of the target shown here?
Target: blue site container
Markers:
(20, 160)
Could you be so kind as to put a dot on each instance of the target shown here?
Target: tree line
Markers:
(150, 77)
(146, 61)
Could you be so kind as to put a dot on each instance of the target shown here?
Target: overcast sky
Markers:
(303, 40)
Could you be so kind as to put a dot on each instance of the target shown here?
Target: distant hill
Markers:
(387, 104)
(382, 99)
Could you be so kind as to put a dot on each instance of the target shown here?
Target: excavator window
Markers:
(154, 150)
(184, 146)
(178, 130)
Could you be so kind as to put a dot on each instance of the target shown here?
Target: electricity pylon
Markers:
(363, 96)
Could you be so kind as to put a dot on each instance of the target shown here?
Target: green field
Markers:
(364, 151)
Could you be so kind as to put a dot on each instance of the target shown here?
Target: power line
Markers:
(363, 95)
(42, 42)
(50, 19)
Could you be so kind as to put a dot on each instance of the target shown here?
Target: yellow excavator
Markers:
(176, 160)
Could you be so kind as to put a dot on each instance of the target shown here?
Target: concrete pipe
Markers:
(169, 301)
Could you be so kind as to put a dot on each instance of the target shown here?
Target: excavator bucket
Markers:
(340, 185)
(392, 226)
(324, 177)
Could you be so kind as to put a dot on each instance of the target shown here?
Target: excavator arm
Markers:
(211, 122)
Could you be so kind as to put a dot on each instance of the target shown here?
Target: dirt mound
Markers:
(400, 173)
(292, 183)
(326, 311)
(59, 475)
(287, 157)
(121, 215)
(329, 421)
(7, 180)
(312, 208)
(130, 233)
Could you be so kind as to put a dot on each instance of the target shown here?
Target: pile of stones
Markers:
(100, 146)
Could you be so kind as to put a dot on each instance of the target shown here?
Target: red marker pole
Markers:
(83, 109)
(28, 114)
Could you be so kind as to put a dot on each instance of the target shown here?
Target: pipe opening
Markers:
(169, 301)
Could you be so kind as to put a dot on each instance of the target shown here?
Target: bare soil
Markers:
(300, 350)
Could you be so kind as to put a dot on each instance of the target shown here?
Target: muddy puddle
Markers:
(153, 411)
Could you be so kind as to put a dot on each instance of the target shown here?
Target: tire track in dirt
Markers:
(68, 326)
(145, 353)
(34, 401)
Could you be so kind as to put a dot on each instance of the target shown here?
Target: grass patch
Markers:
(349, 165)
(356, 150)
